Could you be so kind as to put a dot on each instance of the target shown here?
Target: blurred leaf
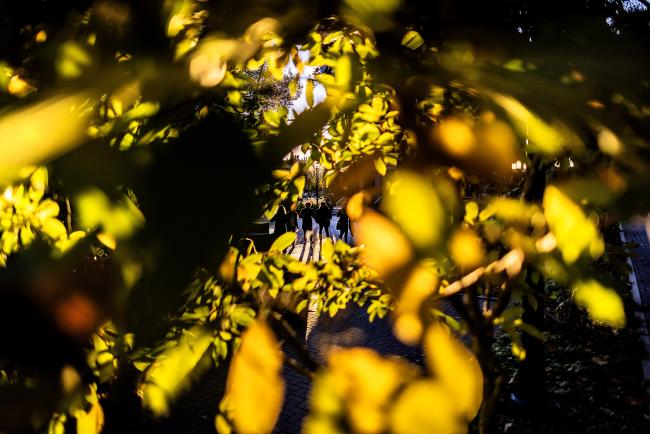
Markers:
(170, 373)
(72, 60)
(283, 241)
(254, 382)
(466, 249)
(413, 203)
(425, 407)
(574, 232)
(94, 209)
(456, 368)
(420, 284)
(39, 132)
(327, 249)
(412, 40)
(386, 247)
(603, 304)
(542, 136)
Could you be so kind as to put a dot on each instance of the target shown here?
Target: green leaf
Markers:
(283, 241)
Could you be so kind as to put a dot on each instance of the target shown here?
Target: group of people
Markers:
(287, 221)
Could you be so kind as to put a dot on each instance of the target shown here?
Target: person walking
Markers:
(307, 214)
(323, 218)
(343, 224)
(281, 219)
(292, 219)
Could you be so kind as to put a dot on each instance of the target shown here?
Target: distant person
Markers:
(292, 219)
(323, 218)
(281, 219)
(343, 224)
(307, 214)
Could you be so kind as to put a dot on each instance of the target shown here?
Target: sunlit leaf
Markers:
(420, 283)
(53, 228)
(94, 209)
(412, 40)
(386, 247)
(72, 60)
(425, 407)
(377, 14)
(574, 232)
(283, 241)
(254, 382)
(39, 132)
(456, 368)
(456, 137)
(327, 250)
(18, 86)
(169, 374)
(365, 382)
(380, 166)
(413, 203)
(91, 421)
(466, 249)
(542, 136)
(355, 205)
(603, 304)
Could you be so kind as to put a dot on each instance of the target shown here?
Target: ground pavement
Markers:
(636, 233)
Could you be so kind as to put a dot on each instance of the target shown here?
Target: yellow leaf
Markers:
(603, 304)
(541, 136)
(366, 382)
(466, 249)
(456, 368)
(343, 72)
(425, 407)
(456, 137)
(169, 374)
(420, 284)
(413, 203)
(354, 207)
(107, 239)
(309, 93)
(412, 40)
(254, 382)
(574, 232)
(92, 421)
(53, 228)
(72, 60)
(387, 249)
(19, 87)
(39, 132)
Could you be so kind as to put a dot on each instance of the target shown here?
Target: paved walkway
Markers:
(349, 328)
(636, 232)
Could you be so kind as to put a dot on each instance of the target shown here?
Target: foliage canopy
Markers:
(137, 139)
